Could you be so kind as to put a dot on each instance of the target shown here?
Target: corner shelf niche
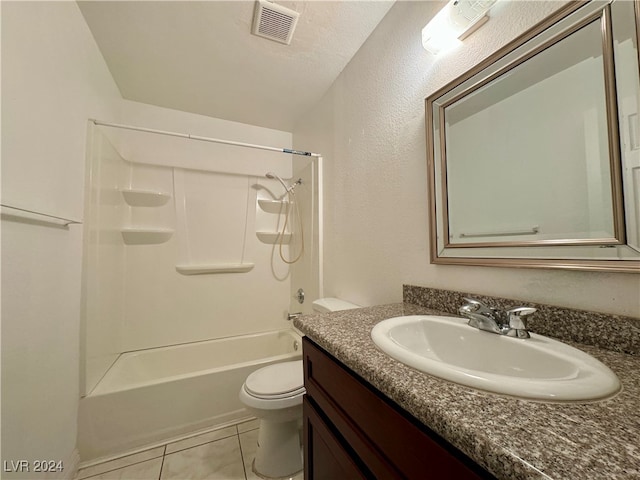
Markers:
(273, 206)
(144, 198)
(273, 238)
(146, 236)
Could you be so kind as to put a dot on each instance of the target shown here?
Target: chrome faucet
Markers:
(511, 323)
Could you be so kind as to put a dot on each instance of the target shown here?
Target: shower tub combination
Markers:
(152, 395)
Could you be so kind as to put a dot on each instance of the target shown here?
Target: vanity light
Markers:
(449, 26)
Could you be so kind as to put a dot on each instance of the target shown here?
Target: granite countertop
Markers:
(509, 437)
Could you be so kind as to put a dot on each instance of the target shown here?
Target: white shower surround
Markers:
(140, 300)
(133, 293)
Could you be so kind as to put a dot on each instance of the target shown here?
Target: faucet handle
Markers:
(517, 323)
(472, 301)
(475, 306)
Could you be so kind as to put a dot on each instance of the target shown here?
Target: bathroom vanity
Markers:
(351, 430)
(367, 415)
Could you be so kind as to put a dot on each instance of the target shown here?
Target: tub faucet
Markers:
(511, 323)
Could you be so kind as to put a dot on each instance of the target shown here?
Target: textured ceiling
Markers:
(200, 57)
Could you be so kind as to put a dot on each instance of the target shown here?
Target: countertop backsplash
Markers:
(611, 332)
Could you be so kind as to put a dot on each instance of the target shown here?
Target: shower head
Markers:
(289, 189)
(274, 176)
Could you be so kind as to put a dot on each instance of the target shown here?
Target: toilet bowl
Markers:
(273, 394)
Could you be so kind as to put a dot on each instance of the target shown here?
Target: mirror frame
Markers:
(435, 101)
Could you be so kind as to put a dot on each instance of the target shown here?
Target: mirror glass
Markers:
(558, 99)
(533, 155)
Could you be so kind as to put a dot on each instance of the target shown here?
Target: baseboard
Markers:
(70, 464)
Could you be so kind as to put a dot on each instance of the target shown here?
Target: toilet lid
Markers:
(276, 381)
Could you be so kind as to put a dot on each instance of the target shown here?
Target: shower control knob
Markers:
(300, 295)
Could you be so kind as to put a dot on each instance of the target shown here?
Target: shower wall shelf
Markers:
(144, 198)
(146, 236)
(273, 237)
(214, 268)
(273, 206)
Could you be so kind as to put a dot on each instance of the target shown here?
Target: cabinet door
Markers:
(324, 456)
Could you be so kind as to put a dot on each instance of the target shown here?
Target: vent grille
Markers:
(274, 22)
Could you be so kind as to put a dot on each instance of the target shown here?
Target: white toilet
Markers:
(274, 394)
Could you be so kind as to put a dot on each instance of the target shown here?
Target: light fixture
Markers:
(458, 19)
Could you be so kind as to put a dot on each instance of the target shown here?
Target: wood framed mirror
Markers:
(534, 155)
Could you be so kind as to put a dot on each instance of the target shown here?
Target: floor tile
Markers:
(249, 425)
(249, 444)
(120, 462)
(149, 470)
(201, 439)
(215, 460)
(220, 454)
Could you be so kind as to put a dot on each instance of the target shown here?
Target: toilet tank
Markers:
(324, 305)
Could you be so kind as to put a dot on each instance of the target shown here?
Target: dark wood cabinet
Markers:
(327, 459)
(352, 431)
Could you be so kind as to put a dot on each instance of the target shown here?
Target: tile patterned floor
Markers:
(224, 454)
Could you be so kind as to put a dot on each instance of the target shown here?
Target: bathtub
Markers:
(152, 395)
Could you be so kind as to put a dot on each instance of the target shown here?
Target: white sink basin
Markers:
(537, 368)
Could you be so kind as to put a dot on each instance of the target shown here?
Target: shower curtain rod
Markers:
(205, 139)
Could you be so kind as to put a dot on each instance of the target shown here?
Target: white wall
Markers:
(371, 128)
(53, 79)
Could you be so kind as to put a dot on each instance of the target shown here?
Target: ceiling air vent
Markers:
(274, 21)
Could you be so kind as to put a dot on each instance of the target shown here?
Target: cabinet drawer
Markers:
(390, 442)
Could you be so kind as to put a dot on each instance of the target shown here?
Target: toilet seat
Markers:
(277, 381)
(299, 391)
